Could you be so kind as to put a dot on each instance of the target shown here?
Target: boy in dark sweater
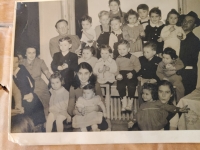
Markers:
(65, 61)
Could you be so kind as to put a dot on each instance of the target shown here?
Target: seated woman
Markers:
(83, 77)
(36, 67)
(31, 104)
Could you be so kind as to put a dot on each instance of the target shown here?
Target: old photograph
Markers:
(105, 67)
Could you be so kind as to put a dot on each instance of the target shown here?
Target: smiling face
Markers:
(123, 49)
(167, 59)
(86, 25)
(149, 53)
(88, 94)
(104, 20)
(132, 19)
(84, 75)
(30, 54)
(164, 93)
(62, 28)
(114, 7)
(64, 46)
(56, 83)
(115, 25)
(143, 13)
(86, 54)
(155, 18)
(146, 95)
(105, 54)
(173, 19)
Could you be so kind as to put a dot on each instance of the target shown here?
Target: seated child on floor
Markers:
(128, 66)
(88, 119)
(105, 67)
(88, 56)
(167, 69)
(58, 104)
(153, 113)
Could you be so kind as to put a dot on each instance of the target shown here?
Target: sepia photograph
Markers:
(111, 71)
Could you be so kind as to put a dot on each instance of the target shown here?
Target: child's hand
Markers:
(171, 29)
(119, 77)
(133, 40)
(64, 66)
(166, 79)
(184, 109)
(160, 39)
(60, 68)
(180, 36)
(129, 75)
(142, 34)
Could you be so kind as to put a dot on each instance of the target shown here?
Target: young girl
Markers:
(103, 31)
(58, 104)
(168, 68)
(115, 10)
(172, 33)
(154, 114)
(88, 119)
(105, 67)
(115, 36)
(132, 31)
(88, 56)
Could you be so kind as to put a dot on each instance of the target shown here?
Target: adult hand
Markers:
(16, 112)
(119, 77)
(129, 75)
(180, 36)
(185, 109)
(160, 39)
(78, 52)
(28, 97)
(64, 66)
(60, 68)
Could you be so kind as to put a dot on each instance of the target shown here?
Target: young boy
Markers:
(88, 34)
(143, 11)
(65, 61)
(149, 63)
(103, 31)
(128, 66)
(115, 36)
(153, 30)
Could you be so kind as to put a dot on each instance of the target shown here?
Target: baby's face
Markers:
(132, 19)
(115, 25)
(146, 95)
(64, 46)
(167, 59)
(104, 20)
(88, 94)
(56, 83)
(173, 19)
(155, 18)
(86, 54)
(105, 54)
(143, 13)
(86, 25)
(123, 49)
(149, 53)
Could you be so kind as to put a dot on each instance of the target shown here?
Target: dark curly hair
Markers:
(171, 52)
(131, 12)
(124, 42)
(107, 47)
(89, 87)
(155, 10)
(152, 88)
(151, 45)
(173, 11)
(86, 18)
(89, 48)
(143, 6)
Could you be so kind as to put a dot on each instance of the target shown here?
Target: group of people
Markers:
(125, 48)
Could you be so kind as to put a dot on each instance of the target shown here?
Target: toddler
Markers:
(88, 56)
(128, 66)
(172, 33)
(143, 11)
(88, 34)
(65, 61)
(132, 31)
(153, 114)
(115, 36)
(115, 10)
(168, 68)
(88, 119)
(58, 104)
(103, 31)
(105, 67)
(153, 30)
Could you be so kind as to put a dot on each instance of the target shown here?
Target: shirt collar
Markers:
(109, 59)
(154, 25)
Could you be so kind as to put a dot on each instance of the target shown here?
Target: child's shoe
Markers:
(130, 104)
(124, 103)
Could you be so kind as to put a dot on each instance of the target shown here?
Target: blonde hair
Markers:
(103, 13)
